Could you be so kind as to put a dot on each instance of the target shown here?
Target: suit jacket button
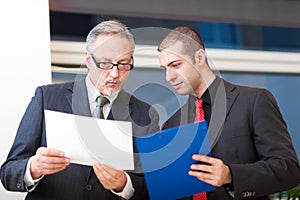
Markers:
(245, 194)
(19, 185)
(251, 194)
(88, 187)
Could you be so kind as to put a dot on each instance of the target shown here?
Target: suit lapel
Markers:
(231, 94)
(79, 104)
(78, 99)
(222, 102)
(122, 107)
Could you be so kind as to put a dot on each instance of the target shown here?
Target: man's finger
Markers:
(203, 158)
(202, 167)
(44, 151)
(54, 160)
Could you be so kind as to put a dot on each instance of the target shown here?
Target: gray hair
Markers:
(111, 27)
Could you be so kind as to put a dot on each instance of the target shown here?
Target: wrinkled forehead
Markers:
(112, 47)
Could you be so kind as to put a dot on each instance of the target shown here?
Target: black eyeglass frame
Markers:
(113, 64)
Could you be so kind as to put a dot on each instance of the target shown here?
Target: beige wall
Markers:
(25, 64)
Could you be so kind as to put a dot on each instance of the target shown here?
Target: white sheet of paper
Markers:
(87, 140)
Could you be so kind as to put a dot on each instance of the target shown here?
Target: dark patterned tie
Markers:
(199, 117)
(101, 101)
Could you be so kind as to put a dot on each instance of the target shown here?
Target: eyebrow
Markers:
(124, 59)
(105, 59)
(168, 65)
(173, 62)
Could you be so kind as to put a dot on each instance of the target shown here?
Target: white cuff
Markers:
(28, 180)
(128, 190)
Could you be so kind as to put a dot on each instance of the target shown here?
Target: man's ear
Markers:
(200, 56)
(88, 59)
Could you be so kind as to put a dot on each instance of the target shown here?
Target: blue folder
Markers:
(166, 158)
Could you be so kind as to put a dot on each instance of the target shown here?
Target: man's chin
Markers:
(112, 91)
(181, 92)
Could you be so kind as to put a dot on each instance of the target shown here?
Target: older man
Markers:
(46, 173)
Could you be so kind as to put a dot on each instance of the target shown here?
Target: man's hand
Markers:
(47, 161)
(215, 173)
(110, 178)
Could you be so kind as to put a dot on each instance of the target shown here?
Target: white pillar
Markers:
(25, 64)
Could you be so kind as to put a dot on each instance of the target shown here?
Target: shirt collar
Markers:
(93, 92)
(209, 95)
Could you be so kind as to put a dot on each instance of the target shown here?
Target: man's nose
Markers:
(114, 72)
(170, 75)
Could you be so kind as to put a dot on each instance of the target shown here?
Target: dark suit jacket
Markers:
(76, 181)
(253, 140)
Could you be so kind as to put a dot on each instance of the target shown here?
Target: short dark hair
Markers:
(190, 39)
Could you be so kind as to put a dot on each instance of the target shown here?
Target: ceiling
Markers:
(280, 13)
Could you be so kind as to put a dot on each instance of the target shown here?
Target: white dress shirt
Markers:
(93, 93)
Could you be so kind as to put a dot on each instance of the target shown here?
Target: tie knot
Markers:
(101, 101)
(199, 103)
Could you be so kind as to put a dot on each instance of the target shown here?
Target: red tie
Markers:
(199, 117)
(199, 110)
(200, 196)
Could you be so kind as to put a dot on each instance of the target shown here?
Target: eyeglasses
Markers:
(110, 65)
